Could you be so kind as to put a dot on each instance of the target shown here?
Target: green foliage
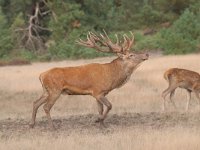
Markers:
(182, 36)
(15, 28)
(5, 38)
(27, 55)
(5, 43)
(69, 49)
(12, 8)
(102, 14)
(188, 25)
(175, 6)
(149, 15)
(174, 43)
(63, 22)
(147, 42)
(18, 21)
(2, 20)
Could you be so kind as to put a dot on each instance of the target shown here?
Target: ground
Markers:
(135, 122)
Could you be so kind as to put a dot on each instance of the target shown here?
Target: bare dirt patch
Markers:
(85, 123)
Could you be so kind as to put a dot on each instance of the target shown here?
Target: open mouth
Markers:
(145, 59)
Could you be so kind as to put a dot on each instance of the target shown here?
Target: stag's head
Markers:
(103, 43)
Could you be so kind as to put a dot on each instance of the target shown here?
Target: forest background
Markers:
(45, 30)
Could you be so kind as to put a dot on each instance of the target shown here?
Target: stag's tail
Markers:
(42, 83)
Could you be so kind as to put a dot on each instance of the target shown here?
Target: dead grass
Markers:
(20, 86)
(136, 139)
(15, 62)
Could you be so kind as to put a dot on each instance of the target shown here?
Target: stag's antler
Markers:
(128, 42)
(89, 43)
(104, 40)
(92, 42)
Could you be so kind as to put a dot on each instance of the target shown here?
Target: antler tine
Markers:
(103, 43)
(89, 43)
(105, 39)
(128, 42)
(98, 38)
(80, 42)
(88, 36)
(117, 39)
(106, 35)
(131, 41)
(91, 37)
(125, 43)
(102, 36)
(116, 48)
(94, 36)
(132, 35)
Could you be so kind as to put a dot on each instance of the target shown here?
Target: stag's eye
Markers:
(131, 55)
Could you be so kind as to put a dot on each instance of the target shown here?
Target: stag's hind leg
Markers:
(103, 100)
(100, 110)
(36, 105)
(47, 107)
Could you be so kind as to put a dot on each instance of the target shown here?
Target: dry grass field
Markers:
(135, 122)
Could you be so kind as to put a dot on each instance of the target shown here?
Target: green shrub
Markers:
(183, 36)
(5, 38)
(150, 42)
(175, 43)
(64, 50)
(149, 16)
(27, 55)
(67, 48)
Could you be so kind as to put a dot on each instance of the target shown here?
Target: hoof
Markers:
(52, 127)
(99, 120)
(31, 125)
(102, 124)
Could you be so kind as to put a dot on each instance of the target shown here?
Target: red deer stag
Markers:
(181, 78)
(93, 79)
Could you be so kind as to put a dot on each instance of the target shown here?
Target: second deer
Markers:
(181, 78)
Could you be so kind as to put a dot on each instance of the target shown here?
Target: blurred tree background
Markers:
(47, 29)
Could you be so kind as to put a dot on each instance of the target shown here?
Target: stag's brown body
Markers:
(91, 79)
(181, 78)
(94, 79)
